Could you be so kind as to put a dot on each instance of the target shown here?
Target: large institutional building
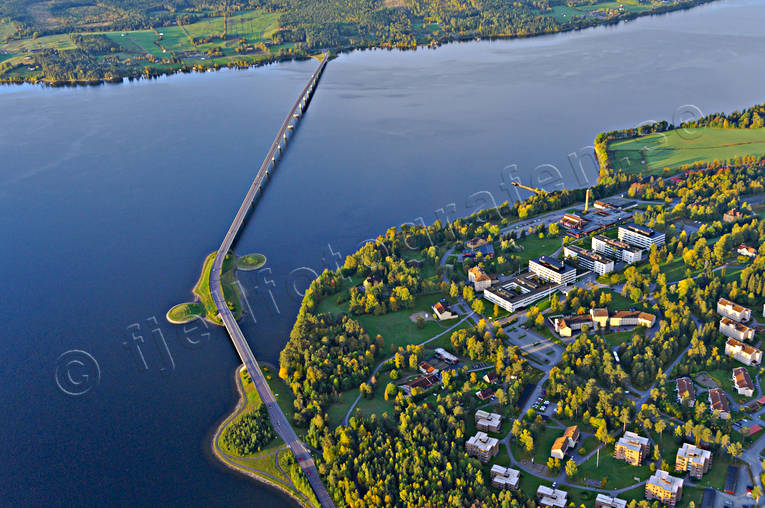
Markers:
(589, 260)
(621, 251)
(640, 236)
(552, 270)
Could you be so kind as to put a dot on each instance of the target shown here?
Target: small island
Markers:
(203, 305)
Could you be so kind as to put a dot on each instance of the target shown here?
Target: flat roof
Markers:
(642, 230)
(665, 481)
(589, 254)
(618, 244)
(528, 284)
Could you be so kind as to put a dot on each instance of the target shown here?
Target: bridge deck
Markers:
(278, 419)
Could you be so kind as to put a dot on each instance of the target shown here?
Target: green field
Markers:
(650, 155)
(398, 330)
(618, 473)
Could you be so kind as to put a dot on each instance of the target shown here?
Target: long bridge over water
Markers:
(278, 420)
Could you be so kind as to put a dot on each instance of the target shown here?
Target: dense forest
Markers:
(249, 433)
(303, 27)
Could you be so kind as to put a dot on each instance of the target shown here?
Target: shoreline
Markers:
(218, 454)
(335, 52)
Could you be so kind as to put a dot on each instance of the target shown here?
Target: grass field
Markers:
(618, 473)
(185, 312)
(650, 155)
(396, 327)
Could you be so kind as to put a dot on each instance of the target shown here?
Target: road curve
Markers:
(278, 419)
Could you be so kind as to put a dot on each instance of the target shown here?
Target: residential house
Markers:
(743, 382)
(747, 251)
(735, 330)
(482, 446)
(485, 394)
(504, 477)
(370, 282)
(733, 310)
(632, 318)
(694, 460)
(478, 277)
(667, 489)
(488, 422)
(474, 243)
(551, 498)
(632, 448)
(718, 402)
(485, 250)
(685, 391)
(733, 215)
(443, 312)
(491, 377)
(744, 353)
(604, 501)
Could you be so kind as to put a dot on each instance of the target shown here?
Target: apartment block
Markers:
(694, 460)
(504, 477)
(551, 498)
(589, 260)
(744, 353)
(743, 382)
(735, 330)
(640, 236)
(488, 422)
(482, 446)
(667, 489)
(632, 318)
(733, 310)
(620, 251)
(632, 448)
(552, 270)
(718, 402)
(604, 501)
(685, 391)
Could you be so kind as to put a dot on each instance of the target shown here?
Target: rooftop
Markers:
(746, 348)
(735, 324)
(718, 401)
(482, 441)
(742, 378)
(732, 305)
(642, 230)
(685, 387)
(617, 244)
(663, 480)
(588, 254)
(632, 441)
(694, 453)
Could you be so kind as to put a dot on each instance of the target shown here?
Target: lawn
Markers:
(281, 392)
(542, 444)
(396, 327)
(724, 378)
(651, 154)
(619, 474)
(185, 312)
(231, 290)
(619, 338)
(533, 247)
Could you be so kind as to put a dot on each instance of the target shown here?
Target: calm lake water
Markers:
(110, 198)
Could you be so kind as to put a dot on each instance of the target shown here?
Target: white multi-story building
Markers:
(504, 477)
(520, 292)
(550, 269)
(744, 353)
(640, 236)
(733, 310)
(735, 330)
(621, 251)
(589, 260)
